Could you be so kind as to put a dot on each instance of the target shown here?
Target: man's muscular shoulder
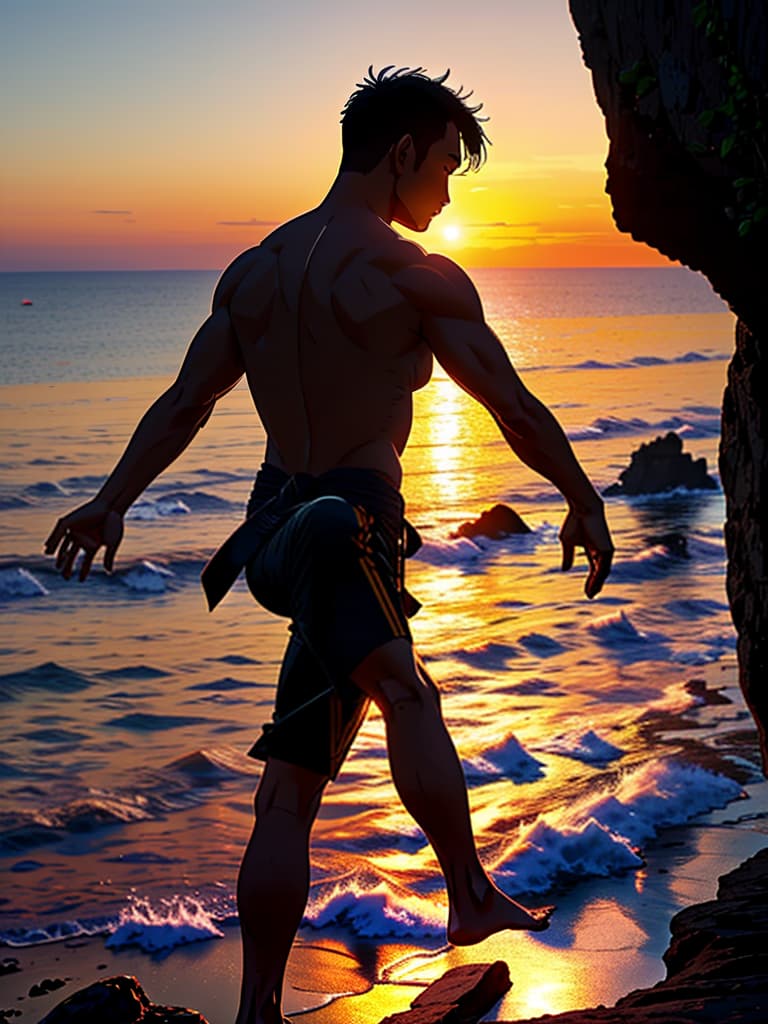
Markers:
(362, 288)
(438, 287)
(248, 283)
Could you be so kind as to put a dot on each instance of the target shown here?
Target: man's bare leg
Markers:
(430, 781)
(273, 885)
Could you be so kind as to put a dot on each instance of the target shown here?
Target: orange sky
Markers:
(175, 133)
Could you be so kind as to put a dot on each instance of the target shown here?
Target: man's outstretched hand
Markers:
(86, 529)
(588, 530)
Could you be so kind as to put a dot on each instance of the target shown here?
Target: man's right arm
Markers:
(212, 367)
(465, 346)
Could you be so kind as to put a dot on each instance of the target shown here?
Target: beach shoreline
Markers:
(607, 939)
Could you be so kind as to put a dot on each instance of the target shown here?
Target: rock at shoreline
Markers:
(462, 996)
(660, 466)
(496, 523)
(118, 1000)
(717, 963)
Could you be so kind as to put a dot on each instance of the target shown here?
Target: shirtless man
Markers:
(335, 320)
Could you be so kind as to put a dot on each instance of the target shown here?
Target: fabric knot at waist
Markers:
(277, 494)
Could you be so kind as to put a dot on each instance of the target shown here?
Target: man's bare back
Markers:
(332, 349)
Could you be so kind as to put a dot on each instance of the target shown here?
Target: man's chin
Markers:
(413, 226)
(406, 220)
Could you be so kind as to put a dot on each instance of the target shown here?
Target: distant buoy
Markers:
(26, 302)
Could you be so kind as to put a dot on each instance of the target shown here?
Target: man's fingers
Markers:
(72, 553)
(600, 567)
(63, 552)
(568, 550)
(85, 566)
(109, 557)
(54, 537)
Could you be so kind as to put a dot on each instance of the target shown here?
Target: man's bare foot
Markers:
(494, 913)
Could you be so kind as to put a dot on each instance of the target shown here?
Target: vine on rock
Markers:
(737, 126)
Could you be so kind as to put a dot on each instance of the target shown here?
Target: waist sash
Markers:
(230, 559)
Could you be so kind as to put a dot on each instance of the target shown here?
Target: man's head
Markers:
(422, 127)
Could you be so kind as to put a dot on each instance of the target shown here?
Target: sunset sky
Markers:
(175, 133)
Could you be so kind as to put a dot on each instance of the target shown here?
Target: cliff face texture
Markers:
(682, 85)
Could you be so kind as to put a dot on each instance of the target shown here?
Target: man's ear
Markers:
(402, 152)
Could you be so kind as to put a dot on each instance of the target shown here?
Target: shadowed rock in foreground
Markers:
(118, 1000)
(717, 962)
(462, 996)
(660, 466)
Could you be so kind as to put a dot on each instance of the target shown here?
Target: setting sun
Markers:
(451, 232)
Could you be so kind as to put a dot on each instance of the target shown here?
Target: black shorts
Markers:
(335, 568)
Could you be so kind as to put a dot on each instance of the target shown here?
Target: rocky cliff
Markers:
(682, 85)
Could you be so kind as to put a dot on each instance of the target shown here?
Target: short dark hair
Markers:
(406, 101)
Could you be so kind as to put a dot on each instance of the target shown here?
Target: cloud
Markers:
(554, 236)
(252, 223)
(113, 213)
(506, 224)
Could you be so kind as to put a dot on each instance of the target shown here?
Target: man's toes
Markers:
(542, 916)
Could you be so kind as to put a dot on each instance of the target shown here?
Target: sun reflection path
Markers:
(445, 427)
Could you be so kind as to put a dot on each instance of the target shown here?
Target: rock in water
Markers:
(675, 543)
(118, 1000)
(662, 466)
(496, 523)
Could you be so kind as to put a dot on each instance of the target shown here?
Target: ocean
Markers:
(587, 730)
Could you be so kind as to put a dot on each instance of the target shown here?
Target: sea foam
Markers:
(693, 424)
(147, 578)
(152, 509)
(19, 582)
(375, 911)
(603, 834)
(599, 836)
(162, 926)
(503, 758)
(588, 747)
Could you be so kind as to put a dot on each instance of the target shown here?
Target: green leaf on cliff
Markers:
(727, 145)
(630, 75)
(700, 13)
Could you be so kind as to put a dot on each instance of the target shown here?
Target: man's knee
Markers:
(396, 682)
(331, 526)
(404, 695)
(289, 789)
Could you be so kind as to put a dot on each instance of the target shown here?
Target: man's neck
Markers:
(371, 192)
